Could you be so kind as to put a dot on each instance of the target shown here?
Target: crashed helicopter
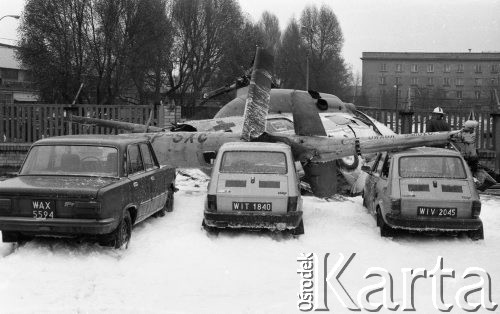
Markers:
(270, 116)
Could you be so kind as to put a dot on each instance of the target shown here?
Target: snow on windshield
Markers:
(431, 167)
(81, 160)
(254, 162)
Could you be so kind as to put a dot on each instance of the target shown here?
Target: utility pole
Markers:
(397, 95)
(307, 71)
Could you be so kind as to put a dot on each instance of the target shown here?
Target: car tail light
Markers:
(292, 203)
(5, 205)
(476, 209)
(211, 203)
(396, 206)
(95, 206)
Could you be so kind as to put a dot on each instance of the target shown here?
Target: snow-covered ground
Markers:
(172, 265)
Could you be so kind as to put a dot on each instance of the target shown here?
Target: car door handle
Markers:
(136, 184)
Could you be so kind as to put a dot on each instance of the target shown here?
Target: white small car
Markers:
(423, 189)
(254, 185)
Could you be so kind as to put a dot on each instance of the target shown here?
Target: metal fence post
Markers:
(406, 118)
(496, 139)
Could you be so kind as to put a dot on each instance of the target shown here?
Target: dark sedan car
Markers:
(85, 186)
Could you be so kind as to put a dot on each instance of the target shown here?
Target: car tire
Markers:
(299, 230)
(385, 229)
(169, 204)
(120, 237)
(476, 235)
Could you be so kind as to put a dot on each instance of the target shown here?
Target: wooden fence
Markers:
(30, 122)
(456, 119)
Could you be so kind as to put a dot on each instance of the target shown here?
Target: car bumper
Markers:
(289, 220)
(433, 224)
(58, 226)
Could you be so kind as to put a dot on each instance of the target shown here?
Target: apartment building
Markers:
(452, 80)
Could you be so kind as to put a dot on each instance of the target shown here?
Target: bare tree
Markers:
(205, 29)
(270, 28)
(111, 46)
(292, 58)
(310, 52)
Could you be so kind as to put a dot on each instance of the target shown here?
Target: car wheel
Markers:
(121, 236)
(476, 234)
(169, 204)
(299, 230)
(385, 229)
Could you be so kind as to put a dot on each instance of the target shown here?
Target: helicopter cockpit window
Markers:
(338, 119)
(279, 125)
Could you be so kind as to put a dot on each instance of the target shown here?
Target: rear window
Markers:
(432, 167)
(80, 160)
(253, 162)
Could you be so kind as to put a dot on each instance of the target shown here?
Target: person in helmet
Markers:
(437, 123)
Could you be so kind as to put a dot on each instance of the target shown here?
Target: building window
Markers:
(494, 68)
(478, 82)
(383, 67)
(9, 74)
(459, 81)
(381, 80)
(460, 68)
(414, 68)
(414, 81)
(477, 94)
(399, 68)
(459, 94)
(477, 68)
(397, 80)
(447, 68)
(430, 81)
(430, 68)
(446, 81)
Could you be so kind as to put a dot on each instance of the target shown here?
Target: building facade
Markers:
(396, 80)
(15, 81)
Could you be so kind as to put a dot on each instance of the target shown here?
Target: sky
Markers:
(372, 25)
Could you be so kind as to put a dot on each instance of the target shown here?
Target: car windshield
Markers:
(253, 162)
(432, 167)
(81, 160)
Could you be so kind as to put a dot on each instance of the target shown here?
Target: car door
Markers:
(157, 180)
(371, 182)
(141, 185)
(381, 194)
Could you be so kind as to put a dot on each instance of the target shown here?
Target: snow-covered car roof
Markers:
(428, 151)
(111, 140)
(251, 146)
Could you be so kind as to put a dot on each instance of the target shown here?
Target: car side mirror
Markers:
(366, 168)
